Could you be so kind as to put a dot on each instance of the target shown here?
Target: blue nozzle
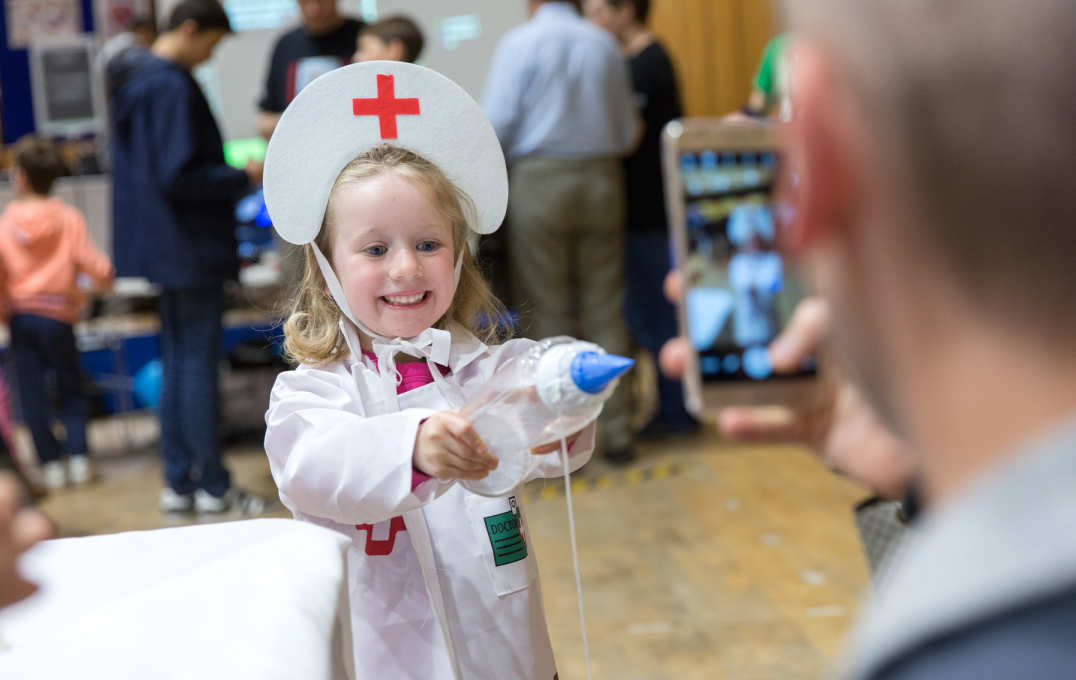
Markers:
(592, 372)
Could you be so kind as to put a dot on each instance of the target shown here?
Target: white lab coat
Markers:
(428, 599)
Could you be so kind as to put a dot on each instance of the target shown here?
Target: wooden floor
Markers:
(701, 560)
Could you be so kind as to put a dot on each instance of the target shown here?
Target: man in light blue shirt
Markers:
(559, 88)
(559, 95)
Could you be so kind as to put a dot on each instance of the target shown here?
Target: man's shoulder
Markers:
(518, 36)
(153, 72)
(655, 55)
(1034, 635)
(290, 38)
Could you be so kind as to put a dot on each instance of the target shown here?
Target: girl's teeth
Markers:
(405, 300)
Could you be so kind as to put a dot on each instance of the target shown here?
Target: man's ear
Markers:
(822, 151)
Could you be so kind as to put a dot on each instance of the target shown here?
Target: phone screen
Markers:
(739, 289)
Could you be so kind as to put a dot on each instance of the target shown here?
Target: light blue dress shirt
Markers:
(559, 88)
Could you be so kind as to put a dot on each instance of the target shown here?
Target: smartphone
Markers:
(721, 180)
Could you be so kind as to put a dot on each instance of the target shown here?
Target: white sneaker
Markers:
(80, 470)
(175, 502)
(246, 502)
(53, 475)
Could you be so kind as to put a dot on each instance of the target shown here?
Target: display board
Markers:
(30, 19)
(248, 15)
(67, 101)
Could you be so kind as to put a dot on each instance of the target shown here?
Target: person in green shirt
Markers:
(769, 87)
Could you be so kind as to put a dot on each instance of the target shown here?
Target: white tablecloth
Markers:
(255, 599)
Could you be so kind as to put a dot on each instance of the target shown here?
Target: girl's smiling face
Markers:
(392, 251)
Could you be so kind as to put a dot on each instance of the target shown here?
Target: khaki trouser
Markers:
(566, 248)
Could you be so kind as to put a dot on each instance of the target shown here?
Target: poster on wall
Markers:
(67, 100)
(112, 17)
(29, 19)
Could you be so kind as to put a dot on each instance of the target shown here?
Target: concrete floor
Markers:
(701, 560)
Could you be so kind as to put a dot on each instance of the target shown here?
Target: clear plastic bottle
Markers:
(550, 392)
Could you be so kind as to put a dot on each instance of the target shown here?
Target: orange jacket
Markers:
(44, 249)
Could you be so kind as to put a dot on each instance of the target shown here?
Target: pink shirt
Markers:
(414, 374)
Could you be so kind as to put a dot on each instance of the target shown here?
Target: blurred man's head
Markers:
(193, 31)
(619, 17)
(934, 149)
(395, 38)
(319, 16)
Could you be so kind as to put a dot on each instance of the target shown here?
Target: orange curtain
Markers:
(716, 46)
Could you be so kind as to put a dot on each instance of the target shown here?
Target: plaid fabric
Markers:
(881, 529)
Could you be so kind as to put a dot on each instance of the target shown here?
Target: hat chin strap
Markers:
(432, 344)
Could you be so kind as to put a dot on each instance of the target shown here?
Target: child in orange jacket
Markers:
(48, 262)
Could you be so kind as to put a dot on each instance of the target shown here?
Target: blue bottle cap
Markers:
(592, 372)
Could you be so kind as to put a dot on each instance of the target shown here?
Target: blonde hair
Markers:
(312, 332)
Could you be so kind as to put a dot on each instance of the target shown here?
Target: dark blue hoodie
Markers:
(173, 196)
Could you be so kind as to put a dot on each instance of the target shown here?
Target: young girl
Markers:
(362, 436)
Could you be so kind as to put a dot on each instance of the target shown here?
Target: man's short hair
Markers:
(40, 160)
(141, 23)
(970, 112)
(642, 8)
(399, 28)
(208, 14)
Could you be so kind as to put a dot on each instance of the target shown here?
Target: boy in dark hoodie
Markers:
(173, 215)
(49, 262)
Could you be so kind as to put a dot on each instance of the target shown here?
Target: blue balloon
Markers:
(262, 219)
(147, 383)
(250, 207)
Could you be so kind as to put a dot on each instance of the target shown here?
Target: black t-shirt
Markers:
(658, 98)
(299, 58)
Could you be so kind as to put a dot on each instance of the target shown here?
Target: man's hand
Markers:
(841, 426)
(447, 447)
(19, 531)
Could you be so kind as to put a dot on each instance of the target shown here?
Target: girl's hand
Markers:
(447, 447)
(555, 446)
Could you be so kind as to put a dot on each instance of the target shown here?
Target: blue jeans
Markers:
(42, 346)
(190, 400)
(651, 318)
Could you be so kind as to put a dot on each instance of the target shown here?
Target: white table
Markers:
(264, 598)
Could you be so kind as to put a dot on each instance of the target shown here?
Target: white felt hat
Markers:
(352, 109)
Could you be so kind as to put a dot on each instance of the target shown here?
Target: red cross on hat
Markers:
(386, 106)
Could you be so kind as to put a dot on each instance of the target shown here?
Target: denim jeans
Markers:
(44, 346)
(190, 400)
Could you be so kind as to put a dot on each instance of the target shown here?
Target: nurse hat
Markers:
(355, 108)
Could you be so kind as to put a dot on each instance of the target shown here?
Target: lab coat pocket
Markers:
(501, 533)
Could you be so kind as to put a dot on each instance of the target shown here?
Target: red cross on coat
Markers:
(386, 106)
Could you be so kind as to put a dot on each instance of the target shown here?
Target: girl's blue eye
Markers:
(376, 251)
(428, 246)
